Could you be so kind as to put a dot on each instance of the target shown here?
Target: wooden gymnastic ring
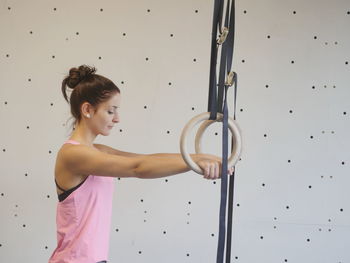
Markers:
(233, 127)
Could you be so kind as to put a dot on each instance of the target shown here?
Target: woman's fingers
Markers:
(211, 168)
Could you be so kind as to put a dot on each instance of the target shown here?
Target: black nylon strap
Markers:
(231, 194)
(212, 99)
(224, 178)
(217, 102)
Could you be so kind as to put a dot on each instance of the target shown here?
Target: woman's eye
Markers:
(110, 112)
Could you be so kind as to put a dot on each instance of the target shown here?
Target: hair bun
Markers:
(76, 75)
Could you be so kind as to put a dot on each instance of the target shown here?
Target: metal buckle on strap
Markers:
(223, 36)
(229, 81)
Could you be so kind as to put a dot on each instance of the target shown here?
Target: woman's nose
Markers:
(116, 119)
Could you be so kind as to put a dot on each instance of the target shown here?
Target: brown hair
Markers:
(87, 87)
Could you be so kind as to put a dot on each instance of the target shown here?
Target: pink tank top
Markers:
(83, 222)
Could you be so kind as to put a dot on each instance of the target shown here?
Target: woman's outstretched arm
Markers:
(81, 159)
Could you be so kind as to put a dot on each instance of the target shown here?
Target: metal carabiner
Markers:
(229, 81)
(223, 36)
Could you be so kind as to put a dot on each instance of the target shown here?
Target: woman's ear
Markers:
(87, 110)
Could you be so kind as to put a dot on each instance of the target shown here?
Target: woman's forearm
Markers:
(162, 165)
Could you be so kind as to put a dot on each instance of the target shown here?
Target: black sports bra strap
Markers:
(59, 187)
(65, 193)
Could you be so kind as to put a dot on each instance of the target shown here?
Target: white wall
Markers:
(294, 118)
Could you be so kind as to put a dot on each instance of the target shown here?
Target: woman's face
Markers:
(106, 115)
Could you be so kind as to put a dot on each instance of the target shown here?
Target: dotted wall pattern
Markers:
(291, 193)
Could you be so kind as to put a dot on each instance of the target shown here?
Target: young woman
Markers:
(84, 171)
